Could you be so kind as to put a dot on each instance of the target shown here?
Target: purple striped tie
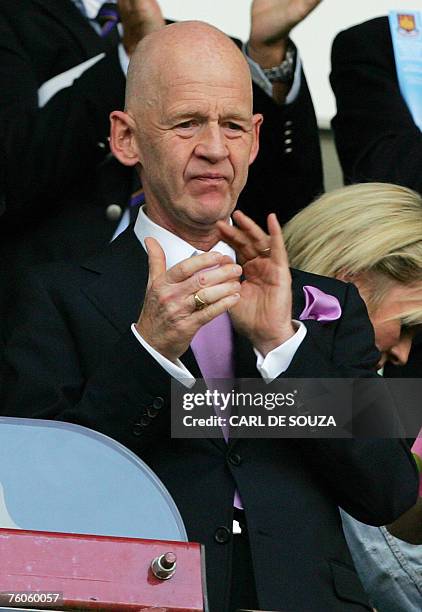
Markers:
(108, 17)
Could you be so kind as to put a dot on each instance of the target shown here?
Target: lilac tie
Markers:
(212, 346)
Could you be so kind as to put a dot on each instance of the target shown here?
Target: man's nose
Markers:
(212, 145)
(399, 353)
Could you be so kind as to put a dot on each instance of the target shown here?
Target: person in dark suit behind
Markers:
(62, 193)
(100, 344)
(376, 136)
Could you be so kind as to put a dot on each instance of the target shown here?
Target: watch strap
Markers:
(284, 72)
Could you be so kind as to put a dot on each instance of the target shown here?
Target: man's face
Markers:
(196, 140)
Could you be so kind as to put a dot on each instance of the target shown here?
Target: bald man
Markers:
(54, 125)
(100, 344)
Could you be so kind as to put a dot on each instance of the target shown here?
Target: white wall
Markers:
(313, 37)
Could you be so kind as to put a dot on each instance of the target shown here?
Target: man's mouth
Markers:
(210, 177)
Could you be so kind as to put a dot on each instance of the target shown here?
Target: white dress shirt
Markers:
(93, 6)
(176, 250)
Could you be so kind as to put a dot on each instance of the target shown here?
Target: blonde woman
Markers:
(371, 234)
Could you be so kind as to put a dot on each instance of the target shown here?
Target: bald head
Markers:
(188, 127)
(170, 54)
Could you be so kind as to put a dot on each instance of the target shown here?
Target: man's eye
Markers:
(234, 126)
(188, 124)
(232, 129)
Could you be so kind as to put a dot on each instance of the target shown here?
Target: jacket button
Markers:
(158, 403)
(113, 212)
(288, 123)
(144, 420)
(222, 535)
(235, 459)
(137, 429)
(155, 407)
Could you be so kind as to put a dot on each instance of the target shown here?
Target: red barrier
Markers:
(100, 573)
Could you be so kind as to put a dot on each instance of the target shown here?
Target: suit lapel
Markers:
(118, 289)
(70, 17)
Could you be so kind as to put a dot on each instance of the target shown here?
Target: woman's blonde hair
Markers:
(371, 228)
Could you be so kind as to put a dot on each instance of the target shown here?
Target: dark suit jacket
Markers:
(72, 356)
(56, 177)
(376, 137)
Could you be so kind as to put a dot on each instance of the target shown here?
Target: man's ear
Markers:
(256, 126)
(122, 138)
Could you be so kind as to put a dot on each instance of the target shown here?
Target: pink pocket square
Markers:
(320, 306)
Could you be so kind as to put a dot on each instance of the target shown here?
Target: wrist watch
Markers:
(284, 73)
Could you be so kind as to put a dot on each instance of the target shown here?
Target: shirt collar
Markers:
(91, 6)
(175, 248)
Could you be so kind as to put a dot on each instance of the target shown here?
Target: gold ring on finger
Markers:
(265, 252)
(199, 303)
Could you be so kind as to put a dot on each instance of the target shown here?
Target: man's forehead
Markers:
(204, 93)
(203, 98)
(207, 71)
(219, 107)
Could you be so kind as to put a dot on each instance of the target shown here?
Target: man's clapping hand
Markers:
(169, 318)
(264, 310)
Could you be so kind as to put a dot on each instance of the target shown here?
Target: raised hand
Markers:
(264, 310)
(271, 23)
(139, 18)
(170, 316)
